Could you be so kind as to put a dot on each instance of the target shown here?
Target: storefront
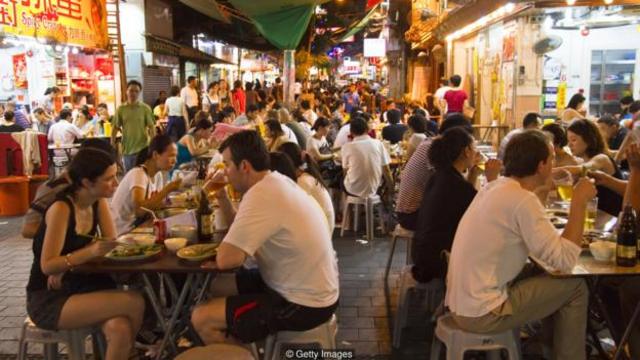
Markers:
(65, 46)
(522, 58)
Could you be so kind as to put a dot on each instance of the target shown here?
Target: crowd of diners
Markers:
(288, 169)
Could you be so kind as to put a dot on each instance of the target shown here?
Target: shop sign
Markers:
(73, 22)
(351, 67)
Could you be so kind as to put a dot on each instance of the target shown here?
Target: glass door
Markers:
(612, 76)
(619, 69)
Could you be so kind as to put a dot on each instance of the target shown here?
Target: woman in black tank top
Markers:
(58, 297)
(586, 142)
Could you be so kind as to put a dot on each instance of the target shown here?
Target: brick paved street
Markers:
(363, 315)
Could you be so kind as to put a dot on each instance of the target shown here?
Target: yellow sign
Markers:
(73, 22)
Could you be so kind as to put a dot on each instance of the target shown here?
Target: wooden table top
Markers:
(587, 265)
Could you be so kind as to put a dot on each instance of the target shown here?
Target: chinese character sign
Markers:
(74, 22)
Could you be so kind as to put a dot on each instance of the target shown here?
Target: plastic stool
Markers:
(399, 233)
(368, 204)
(459, 341)
(74, 339)
(14, 195)
(434, 293)
(323, 337)
(217, 352)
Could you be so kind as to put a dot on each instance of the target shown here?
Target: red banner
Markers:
(372, 3)
(20, 71)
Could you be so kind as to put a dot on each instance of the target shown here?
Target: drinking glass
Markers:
(590, 214)
(564, 182)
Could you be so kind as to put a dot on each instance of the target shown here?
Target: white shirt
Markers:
(189, 96)
(343, 136)
(122, 207)
(297, 88)
(64, 132)
(309, 184)
(290, 240)
(209, 100)
(306, 128)
(439, 94)
(364, 158)
(291, 136)
(174, 106)
(502, 227)
(310, 116)
(314, 145)
(415, 140)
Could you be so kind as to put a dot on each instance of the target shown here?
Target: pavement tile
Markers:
(351, 322)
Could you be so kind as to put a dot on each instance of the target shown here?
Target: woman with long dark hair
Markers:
(78, 228)
(309, 178)
(189, 146)
(586, 142)
(446, 197)
(139, 188)
(574, 110)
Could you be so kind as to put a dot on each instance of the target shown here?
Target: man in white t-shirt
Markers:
(439, 95)
(365, 161)
(489, 287)
(189, 95)
(296, 284)
(64, 132)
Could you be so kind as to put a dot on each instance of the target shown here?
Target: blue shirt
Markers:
(351, 100)
(22, 120)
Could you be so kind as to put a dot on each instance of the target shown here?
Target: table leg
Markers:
(157, 307)
(174, 316)
(627, 333)
(205, 287)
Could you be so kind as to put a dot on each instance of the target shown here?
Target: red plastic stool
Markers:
(14, 195)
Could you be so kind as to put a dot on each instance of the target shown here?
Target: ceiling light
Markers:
(608, 2)
(571, 2)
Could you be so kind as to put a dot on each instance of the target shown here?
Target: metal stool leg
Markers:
(394, 238)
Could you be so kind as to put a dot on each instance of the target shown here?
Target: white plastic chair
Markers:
(458, 341)
(74, 339)
(368, 204)
(323, 337)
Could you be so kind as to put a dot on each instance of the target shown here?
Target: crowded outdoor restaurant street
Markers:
(320, 179)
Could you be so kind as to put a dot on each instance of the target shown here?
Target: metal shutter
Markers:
(155, 79)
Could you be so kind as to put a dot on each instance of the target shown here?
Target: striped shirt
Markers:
(413, 179)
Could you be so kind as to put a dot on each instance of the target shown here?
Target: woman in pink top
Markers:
(455, 98)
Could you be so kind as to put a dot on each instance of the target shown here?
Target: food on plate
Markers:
(126, 251)
(198, 252)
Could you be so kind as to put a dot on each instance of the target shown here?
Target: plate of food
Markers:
(198, 252)
(558, 222)
(132, 252)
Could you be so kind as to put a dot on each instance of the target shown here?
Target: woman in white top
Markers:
(317, 145)
(417, 128)
(309, 178)
(211, 100)
(137, 189)
(176, 110)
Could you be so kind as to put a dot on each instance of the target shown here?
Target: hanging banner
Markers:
(73, 22)
(19, 71)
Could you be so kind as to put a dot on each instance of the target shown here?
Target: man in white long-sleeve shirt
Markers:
(504, 225)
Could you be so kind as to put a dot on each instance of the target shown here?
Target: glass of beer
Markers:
(564, 182)
(590, 214)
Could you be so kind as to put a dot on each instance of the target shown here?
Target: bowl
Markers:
(179, 199)
(176, 243)
(603, 250)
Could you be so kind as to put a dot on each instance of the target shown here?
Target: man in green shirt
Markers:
(136, 122)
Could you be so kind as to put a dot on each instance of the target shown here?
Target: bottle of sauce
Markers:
(627, 245)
